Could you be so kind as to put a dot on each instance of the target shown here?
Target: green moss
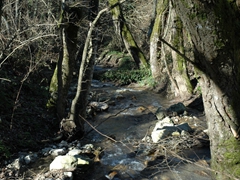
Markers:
(231, 157)
(53, 90)
(181, 62)
(161, 7)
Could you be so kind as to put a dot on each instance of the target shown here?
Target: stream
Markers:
(123, 132)
(130, 120)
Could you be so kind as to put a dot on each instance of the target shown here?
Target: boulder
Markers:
(162, 133)
(68, 163)
(166, 127)
(179, 108)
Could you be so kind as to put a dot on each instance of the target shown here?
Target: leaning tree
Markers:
(200, 45)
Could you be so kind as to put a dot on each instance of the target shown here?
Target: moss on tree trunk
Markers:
(124, 32)
(161, 9)
(63, 73)
(214, 28)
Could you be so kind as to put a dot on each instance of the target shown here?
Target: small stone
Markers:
(185, 127)
(30, 158)
(63, 144)
(74, 152)
(56, 152)
(175, 133)
(46, 151)
(69, 175)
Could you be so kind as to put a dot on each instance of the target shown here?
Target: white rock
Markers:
(82, 161)
(74, 152)
(162, 133)
(69, 174)
(64, 162)
(176, 133)
(162, 123)
(56, 152)
(165, 128)
(16, 164)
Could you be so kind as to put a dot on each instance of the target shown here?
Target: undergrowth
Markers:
(124, 77)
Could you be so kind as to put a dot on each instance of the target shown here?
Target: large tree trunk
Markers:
(214, 30)
(63, 73)
(167, 43)
(125, 34)
(160, 8)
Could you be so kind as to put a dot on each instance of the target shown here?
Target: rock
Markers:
(165, 128)
(82, 160)
(99, 106)
(63, 144)
(45, 151)
(56, 152)
(69, 175)
(162, 133)
(68, 163)
(160, 113)
(164, 122)
(74, 152)
(16, 164)
(30, 158)
(184, 127)
(176, 133)
(179, 108)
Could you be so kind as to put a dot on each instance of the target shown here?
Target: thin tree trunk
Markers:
(79, 103)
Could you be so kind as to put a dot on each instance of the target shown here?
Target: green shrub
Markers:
(124, 77)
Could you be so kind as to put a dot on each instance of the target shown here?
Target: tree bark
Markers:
(69, 34)
(167, 51)
(125, 34)
(159, 7)
(214, 30)
(1, 5)
(79, 103)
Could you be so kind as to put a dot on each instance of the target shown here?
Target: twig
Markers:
(108, 119)
(104, 135)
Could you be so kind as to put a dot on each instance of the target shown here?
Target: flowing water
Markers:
(128, 121)
(123, 133)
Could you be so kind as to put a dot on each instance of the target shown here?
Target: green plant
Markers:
(124, 77)
(126, 63)
(149, 81)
